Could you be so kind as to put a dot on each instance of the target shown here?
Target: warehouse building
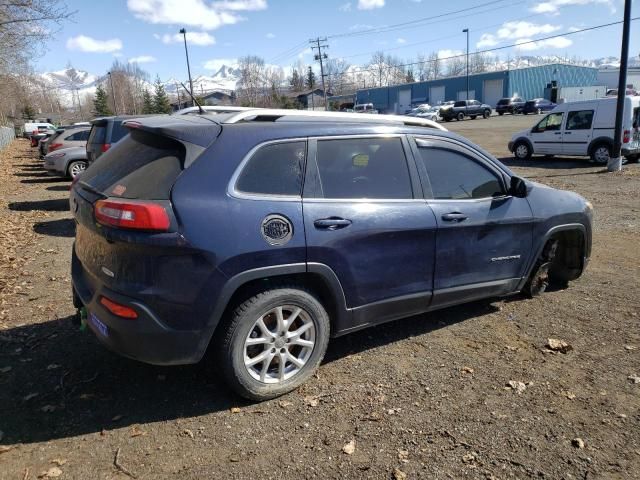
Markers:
(528, 83)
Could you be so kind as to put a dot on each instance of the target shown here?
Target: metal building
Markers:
(528, 83)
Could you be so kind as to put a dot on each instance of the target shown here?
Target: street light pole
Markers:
(466, 30)
(113, 94)
(186, 51)
(615, 159)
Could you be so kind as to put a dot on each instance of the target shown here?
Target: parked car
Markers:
(66, 162)
(43, 141)
(465, 108)
(429, 112)
(33, 128)
(70, 137)
(365, 108)
(583, 128)
(509, 105)
(195, 233)
(538, 105)
(105, 132)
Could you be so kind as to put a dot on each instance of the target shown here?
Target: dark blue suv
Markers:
(259, 236)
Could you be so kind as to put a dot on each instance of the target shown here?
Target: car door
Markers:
(484, 236)
(366, 220)
(546, 136)
(578, 132)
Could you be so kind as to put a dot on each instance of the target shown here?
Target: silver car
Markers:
(70, 137)
(66, 162)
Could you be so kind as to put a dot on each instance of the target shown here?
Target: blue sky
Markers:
(277, 30)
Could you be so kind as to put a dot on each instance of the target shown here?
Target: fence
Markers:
(6, 135)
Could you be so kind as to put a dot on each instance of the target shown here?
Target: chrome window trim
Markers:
(235, 193)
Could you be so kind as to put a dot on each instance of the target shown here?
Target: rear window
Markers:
(142, 166)
(504, 101)
(118, 131)
(98, 134)
(460, 104)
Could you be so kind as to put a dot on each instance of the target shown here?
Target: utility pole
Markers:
(186, 52)
(466, 30)
(615, 159)
(113, 94)
(320, 56)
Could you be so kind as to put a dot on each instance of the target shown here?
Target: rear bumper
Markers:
(630, 151)
(146, 339)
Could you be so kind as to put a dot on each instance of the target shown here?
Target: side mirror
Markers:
(518, 187)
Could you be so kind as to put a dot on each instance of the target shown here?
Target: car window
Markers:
(517, 99)
(78, 136)
(475, 102)
(274, 169)
(460, 104)
(550, 122)
(579, 120)
(503, 101)
(118, 131)
(97, 135)
(455, 176)
(363, 168)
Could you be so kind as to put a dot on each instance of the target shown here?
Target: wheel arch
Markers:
(318, 278)
(599, 141)
(574, 236)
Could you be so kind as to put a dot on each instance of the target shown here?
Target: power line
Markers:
(393, 27)
(595, 27)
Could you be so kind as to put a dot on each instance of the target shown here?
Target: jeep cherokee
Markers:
(260, 235)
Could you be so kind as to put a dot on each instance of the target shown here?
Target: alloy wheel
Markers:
(279, 344)
(522, 151)
(77, 168)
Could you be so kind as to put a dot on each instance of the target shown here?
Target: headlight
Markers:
(589, 206)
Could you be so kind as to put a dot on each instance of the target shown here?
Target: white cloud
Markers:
(201, 39)
(487, 40)
(370, 4)
(88, 44)
(270, 35)
(143, 59)
(196, 13)
(552, 6)
(345, 7)
(510, 31)
(558, 42)
(446, 53)
(216, 63)
(400, 40)
(304, 53)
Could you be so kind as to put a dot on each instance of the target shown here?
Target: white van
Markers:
(365, 108)
(583, 128)
(32, 128)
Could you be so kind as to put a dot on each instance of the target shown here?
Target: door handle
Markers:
(567, 133)
(332, 223)
(558, 133)
(454, 217)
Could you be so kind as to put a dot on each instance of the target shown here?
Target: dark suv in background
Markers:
(538, 105)
(509, 105)
(259, 235)
(465, 108)
(105, 131)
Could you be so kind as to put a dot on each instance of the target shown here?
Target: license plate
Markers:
(101, 327)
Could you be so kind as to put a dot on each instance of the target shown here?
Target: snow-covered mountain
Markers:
(224, 79)
(71, 83)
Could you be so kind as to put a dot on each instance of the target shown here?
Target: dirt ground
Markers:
(426, 397)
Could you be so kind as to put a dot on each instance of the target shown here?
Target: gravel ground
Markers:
(467, 392)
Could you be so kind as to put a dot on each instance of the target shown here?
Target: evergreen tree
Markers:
(147, 103)
(161, 102)
(409, 78)
(100, 104)
(311, 79)
(294, 81)
(28, 113)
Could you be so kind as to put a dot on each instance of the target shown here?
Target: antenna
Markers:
(200, 109)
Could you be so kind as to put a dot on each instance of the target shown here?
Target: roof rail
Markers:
(275, 114)
(212, 109)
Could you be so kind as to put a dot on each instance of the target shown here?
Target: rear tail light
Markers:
(132, 214)
(105, 147)
(118, 309)
(54, 146)
(626, 136)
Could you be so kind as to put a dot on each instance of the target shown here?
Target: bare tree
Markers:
(251, 82)
(434, 67)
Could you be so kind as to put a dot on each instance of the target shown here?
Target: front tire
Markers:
(486, 114)
(273, 342)
(522, 151)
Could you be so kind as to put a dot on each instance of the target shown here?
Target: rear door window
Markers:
(579, 120)
(141, 166)
(363, 168)
(98, 134)
(274, 169)
(118, 131)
